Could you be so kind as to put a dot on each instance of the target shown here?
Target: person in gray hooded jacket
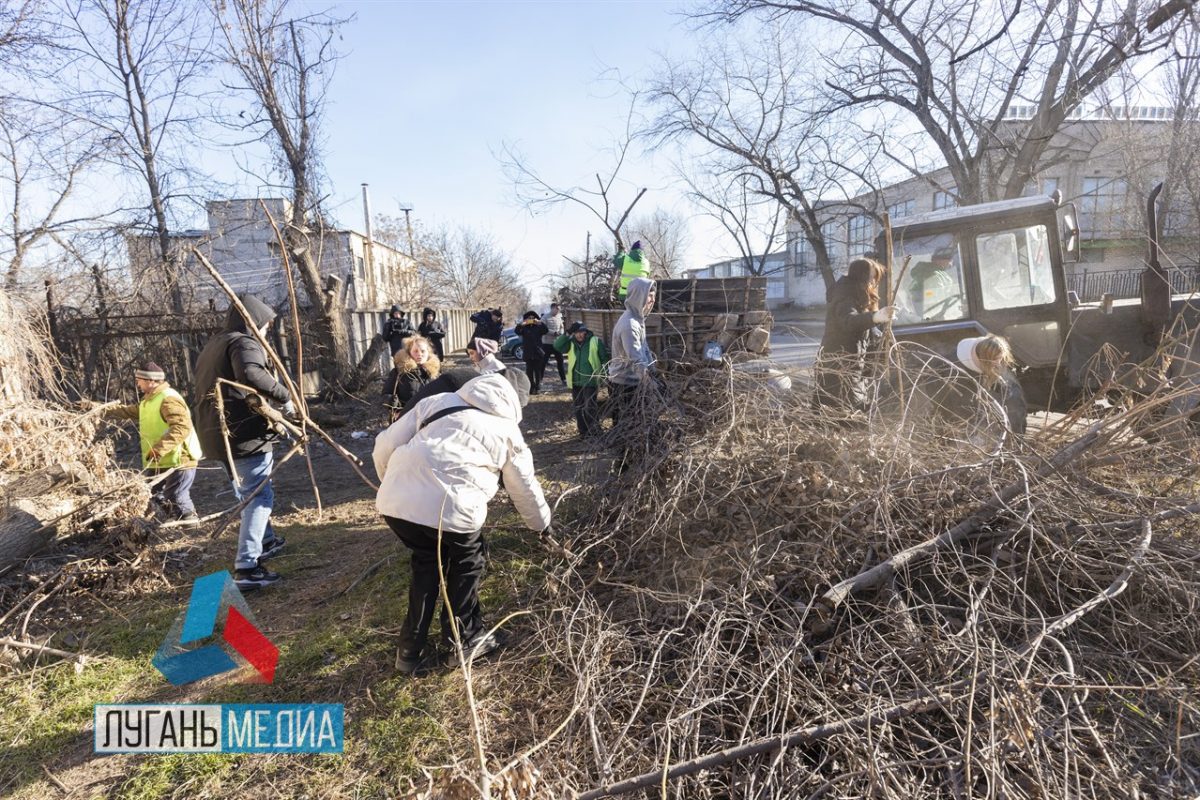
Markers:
(632, 362)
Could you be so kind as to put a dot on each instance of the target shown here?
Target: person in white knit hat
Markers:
(483, 355)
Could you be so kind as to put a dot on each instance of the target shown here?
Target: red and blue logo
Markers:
(215, 634)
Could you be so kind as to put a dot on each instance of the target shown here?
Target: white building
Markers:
(1105, 162)
(242, 245)
(775, 268)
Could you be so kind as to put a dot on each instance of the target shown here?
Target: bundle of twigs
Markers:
(774, 601)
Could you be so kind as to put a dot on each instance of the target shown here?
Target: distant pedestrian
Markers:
(438, 467)
(554, 329)
(489, 324)
(531, 330)
(415, 365)
(432, 330)
(235, 355)
(586, 359)
(852, 314)
(396, 329)
(482, 352)
(168, 441)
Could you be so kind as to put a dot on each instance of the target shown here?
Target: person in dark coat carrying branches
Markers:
(531, 330)
(851, 316)
(235, 355)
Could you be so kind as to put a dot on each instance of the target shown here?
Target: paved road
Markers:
(794, 345)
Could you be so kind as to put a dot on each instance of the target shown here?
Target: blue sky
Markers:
(428, 92)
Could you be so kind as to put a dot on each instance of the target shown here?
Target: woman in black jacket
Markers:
(531, 330)
(416, 365)
(432, 330)
(850, 317)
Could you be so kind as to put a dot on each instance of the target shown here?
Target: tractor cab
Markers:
(990, 268)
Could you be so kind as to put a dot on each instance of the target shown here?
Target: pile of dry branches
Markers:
(776, 601)
(57, 482)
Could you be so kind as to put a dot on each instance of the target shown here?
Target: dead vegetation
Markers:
(774, 601)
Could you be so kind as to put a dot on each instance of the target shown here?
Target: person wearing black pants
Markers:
(463, 562)
(531, 330)
(438, 467)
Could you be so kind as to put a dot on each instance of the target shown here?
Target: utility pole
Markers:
(408, 224)
(587, 248)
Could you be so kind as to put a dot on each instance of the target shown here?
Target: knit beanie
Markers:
(150, 371)
(485, 347)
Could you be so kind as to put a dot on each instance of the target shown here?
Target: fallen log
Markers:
(822, 608)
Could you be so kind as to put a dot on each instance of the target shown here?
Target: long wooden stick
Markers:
(828, 602)
(769, 744)
(303, 404)
(354, 460)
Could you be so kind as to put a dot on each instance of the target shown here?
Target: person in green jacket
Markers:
(168, 441)
(586, 359)
(633, 264)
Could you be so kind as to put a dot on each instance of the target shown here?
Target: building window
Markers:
(861, 234)
(945, 199)
(359, 271)
(1101, 206)
(904, 208)
(803, 257)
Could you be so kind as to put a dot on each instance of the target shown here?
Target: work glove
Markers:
(885, 314)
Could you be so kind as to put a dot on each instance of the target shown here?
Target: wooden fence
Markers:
(99, 353)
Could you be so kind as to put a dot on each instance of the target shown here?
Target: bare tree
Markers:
(464, 268)
(538, 194)
(756, 224)
(136, 74)
(761, 127)
(284, 63)
(41, 159)
(664, 237)
(960, 70)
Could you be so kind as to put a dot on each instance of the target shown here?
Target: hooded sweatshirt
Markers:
(443, 475)
(396, 329)
(234, 354)
(631, 356)
(432, 330)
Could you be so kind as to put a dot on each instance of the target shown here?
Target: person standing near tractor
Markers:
(586, 358)
(852, 314)
(168, 441)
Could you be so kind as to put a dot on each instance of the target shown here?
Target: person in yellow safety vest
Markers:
(168, 441)
(633, 264)
(586, 360)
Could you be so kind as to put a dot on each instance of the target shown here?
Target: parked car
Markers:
(512, 347)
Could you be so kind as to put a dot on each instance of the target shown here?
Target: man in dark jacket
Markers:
(432, 330)
(489, 324)
(235, 355)
(396, 329)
